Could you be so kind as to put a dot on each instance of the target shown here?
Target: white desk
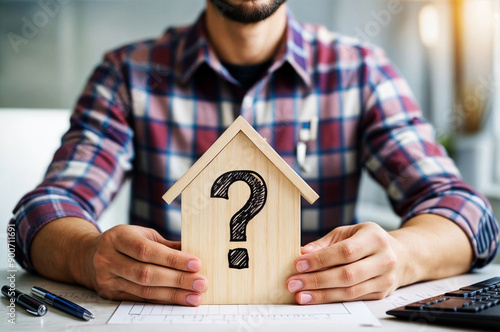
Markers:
(103, 309)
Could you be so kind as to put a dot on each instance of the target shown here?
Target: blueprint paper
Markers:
(247, 317)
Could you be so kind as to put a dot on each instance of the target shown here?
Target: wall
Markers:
(49, 70)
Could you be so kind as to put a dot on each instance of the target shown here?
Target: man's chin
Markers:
(247, 11)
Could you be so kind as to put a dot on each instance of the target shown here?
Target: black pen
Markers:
(61, 303)
(27, 302)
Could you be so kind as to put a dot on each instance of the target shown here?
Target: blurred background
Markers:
(449, 51)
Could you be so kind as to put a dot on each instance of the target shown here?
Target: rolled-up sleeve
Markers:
(88, 169)
(401, 153)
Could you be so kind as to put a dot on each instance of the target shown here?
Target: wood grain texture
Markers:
(273, 235)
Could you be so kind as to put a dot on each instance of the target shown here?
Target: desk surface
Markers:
(104, 309)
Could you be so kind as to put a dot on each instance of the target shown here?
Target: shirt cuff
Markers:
(472, 214)
(36, 210)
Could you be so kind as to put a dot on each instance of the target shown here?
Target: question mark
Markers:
(238, 258)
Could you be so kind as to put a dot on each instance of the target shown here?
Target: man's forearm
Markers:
(432, 247)
(60, 248)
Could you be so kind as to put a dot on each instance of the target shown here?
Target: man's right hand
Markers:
(135, 263)
(124, 263)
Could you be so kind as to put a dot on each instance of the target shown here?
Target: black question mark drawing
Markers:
(238, 258)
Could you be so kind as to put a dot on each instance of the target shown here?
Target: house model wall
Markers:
(241, 217)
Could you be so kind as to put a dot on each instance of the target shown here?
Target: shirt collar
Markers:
(295, 49)
(194, 50)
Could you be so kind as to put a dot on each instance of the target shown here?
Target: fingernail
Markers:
(305, 298)
(199, 285)
(295, 285)
(193, 299)
(193, 265)
(303, 266)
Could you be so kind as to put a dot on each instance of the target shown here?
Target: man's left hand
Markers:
(350, 263)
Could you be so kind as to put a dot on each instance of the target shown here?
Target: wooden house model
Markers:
(240, 213)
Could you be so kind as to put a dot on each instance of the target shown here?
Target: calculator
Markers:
(476, 305)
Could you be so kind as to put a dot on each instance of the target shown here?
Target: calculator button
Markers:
(481, 297)
(449, 305)
(488, 282)
(487, 304)
(473, 289)
(415, 306)
(472, 308)
(461, 293)
(432, 300)
(494, 301)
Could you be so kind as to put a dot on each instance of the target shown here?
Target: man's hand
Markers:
(356, 262)
(124, 263)
(364, 262)
(136, 263)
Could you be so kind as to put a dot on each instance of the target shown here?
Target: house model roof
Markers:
(240, 125)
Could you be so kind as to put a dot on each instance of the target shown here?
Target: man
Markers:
(152, 108)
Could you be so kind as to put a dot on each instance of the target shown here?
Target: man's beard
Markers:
(243, 14)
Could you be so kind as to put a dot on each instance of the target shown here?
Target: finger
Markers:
(320, 243)
(340, 276)
(376, 288)
(153, 235)
(344, 252)
(173, 244)
(309, 248)
(336, 235)
(145, 250)
(126, 290)
(154, 275)
(316, 245)
(362, 243)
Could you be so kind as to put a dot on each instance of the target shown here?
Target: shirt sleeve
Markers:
(399, 150)
(89, 167)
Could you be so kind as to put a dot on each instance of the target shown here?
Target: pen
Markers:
(61, 303)
(27, 302)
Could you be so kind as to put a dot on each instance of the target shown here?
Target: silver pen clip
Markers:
(307, 132)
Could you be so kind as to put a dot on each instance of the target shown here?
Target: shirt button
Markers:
(247, 102)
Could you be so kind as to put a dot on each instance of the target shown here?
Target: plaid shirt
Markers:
(151, 109)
